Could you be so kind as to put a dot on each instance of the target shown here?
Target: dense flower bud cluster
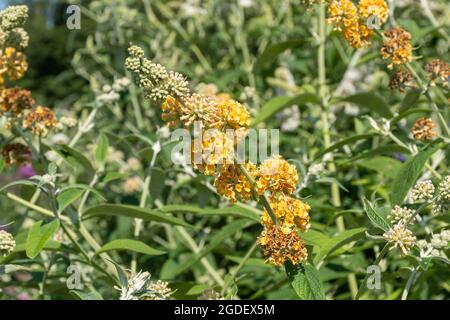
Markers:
(7, 243)
(397, 46)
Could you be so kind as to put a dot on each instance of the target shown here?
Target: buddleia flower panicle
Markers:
(281, 245)
(7, 243)
(277, 175)
(40, 120)
(397, 46)
(400, 80)
(13, 63)
(16, 153)
(423, 190)
(15, 101)
(400, 215)
(212, 153)
(156, 81)
(291, 213)
(438, 70)
(423, 129)
(399, 236)
(441, 204)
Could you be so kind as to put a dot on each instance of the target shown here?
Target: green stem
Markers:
(335, 194)
(244, 260)
(412, 278)
(262, 198)
(376, 263)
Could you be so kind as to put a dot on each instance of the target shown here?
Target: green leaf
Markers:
(340, 240)
(130, 245)
(331, 180)
(375, 217)
(67, 197)
(410, 99)
(234, 211)
(370, 101)
(83, 187)
(276, 104)
(215, 241)
(81, 295)
(111, 176)
(271, 53)
(387, 149)
(305, 281)
(342, 143)
(158, 176)
(73, 156)
(10, 268)
(132, 212)
(407, 113)
(408, 174)
(101, 152)
(18, 183)
(38, 236)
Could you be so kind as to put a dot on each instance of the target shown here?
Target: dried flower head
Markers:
(16, 153)
(423, 129)
(290, 213)
(423, 190)
(400, 80)
(7, 243)
(400, 237)
(156, 81)
(400, 215)
(397, 46)
(438, 70)
(279, 246)
(15, 100)
(276, 174)
(13, 63)
(40, 120)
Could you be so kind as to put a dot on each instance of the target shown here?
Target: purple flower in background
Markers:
(400, 156)
(26, 171)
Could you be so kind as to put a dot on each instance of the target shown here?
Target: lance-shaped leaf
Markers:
(132, 212)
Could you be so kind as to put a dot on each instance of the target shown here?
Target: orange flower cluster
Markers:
(397, 46)
(354, 21)
(13, 63)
